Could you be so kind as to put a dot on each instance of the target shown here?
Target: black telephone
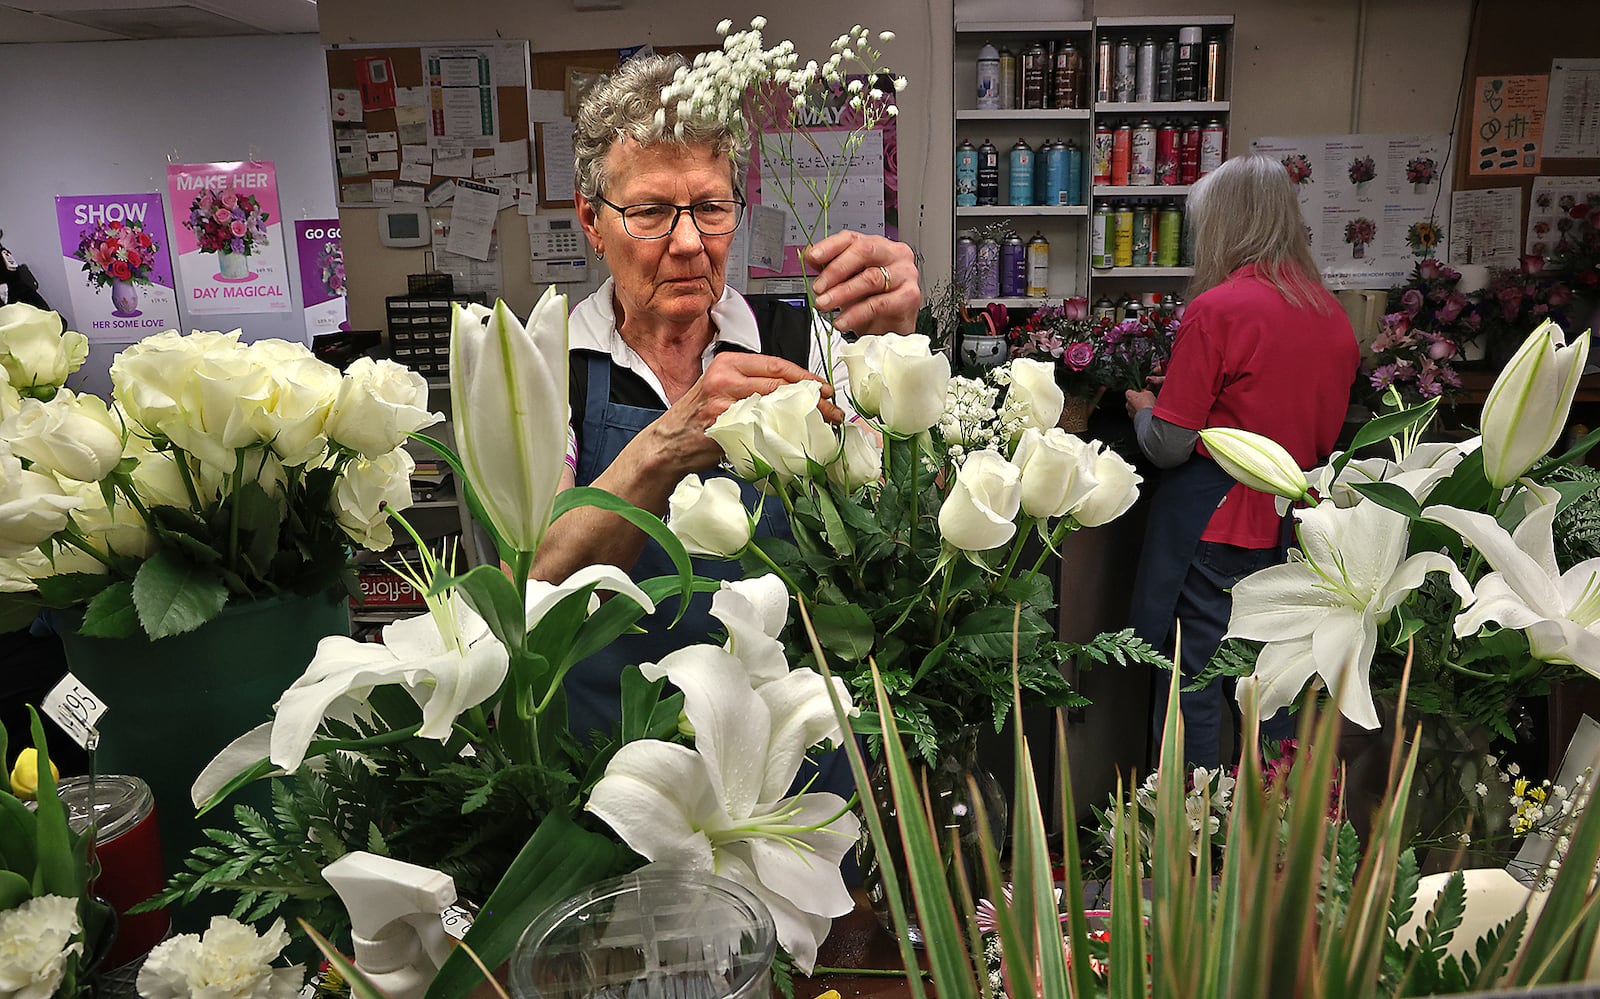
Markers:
(17, 283)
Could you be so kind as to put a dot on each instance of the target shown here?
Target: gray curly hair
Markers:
(625, 105)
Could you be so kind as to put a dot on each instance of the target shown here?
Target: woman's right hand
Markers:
(681, 431)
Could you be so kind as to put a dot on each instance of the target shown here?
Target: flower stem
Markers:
(233, 512)
(868, 972)
(71, 536)
(763, 556)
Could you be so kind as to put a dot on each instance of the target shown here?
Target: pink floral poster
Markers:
(322, 294)
(114, 247)
(866, 199)
(228, 230)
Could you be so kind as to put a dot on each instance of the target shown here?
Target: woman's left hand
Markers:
(872, 281)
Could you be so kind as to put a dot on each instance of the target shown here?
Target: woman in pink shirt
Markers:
(1264, 347)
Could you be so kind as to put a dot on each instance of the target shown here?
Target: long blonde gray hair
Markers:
(1246, 212)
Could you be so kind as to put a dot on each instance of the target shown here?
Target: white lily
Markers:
(509, 384)
(1527, 407)
(1256, 460)
(1559, 612)
(722, 807)
(1320, 612)
(1416, 471)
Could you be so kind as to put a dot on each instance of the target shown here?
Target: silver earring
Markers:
(599, 253)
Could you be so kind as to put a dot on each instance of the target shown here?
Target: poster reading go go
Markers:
(114, 247)
(321, 255)
(228, 231)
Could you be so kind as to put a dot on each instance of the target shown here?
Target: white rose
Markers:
(229, 962)
(379, 403)
(709, 517)
(115, 530)
(34, 350)
(156, 479)
(147, 379)
(274, 351)
(791, 432)
(735, 432)
(1057, 471)
(34, 946)
(1034, 396)
(72, 435)
(219, 406)
(21, 574)
(913, 386)
(302, 391)
(367, 491)
(32, 505)
(863, 359)
(261, 467)
(980, 512)
(1116, 487)
(861, 460)
(10, 400)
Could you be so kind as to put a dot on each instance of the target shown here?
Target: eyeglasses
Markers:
(654, 220)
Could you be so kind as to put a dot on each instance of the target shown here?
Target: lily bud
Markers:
(508, 386)
(1527, 407)
(1257, 461)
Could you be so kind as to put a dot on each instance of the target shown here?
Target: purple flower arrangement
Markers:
(330, 265)
(1093, 356)
(227, 223)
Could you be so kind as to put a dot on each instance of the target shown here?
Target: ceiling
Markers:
(116, 20)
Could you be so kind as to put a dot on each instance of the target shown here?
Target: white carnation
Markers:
(34, 946)
(229, 962)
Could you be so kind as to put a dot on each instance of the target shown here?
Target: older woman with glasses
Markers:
(665, 346)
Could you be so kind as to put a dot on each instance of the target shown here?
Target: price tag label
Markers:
(456, 920)
(76, 709)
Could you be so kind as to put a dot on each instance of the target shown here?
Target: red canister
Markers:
(1167, 154)
(1189, 155)
(128, 846)
(1121, 154)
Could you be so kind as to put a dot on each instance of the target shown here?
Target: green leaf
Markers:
(111, 613)
(639, 700)
(71, 588)
(174, 597)
(987, 632)
(1567, 457)
(1572, 490)
(844, 630)
(14, 890)
(19, 832)
(559, 860)
(649, 523)
(360, 987)
(1390, 496)
(494, 596)
(833, 526)
(259, 522)
(55, 872)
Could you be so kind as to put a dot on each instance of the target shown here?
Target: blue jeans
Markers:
(1204, 604)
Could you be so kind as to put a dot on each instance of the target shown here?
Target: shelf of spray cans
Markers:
(1039, 114)
(1141, 272)
(1139, 239)
(1002, 267)
(1145, 154)
(1031, 211)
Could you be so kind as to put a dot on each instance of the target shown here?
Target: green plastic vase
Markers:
(172, 704)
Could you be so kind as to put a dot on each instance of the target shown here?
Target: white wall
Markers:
(102, 118)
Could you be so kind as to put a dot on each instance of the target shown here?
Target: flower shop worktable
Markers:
(857, 942)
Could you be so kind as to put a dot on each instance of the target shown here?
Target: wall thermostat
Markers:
(404, 225)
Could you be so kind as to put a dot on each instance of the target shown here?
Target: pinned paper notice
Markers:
(416, 173)
(484, 167)
(411, 124)
(416, 154)
(472, 219)
(381, 162)
(767, 226)
(409, 194)
(452, 166)
(382, 190)
(345, 105)
(383, 142)
(441, 193)
(555, 160)
(411, 97)
(511, 157)
(547, 105)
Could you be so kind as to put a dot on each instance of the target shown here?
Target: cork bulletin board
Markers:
(407, 118)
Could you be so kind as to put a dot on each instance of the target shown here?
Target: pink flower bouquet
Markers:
(1420, 170)
(120, 251)
(1360, 232)
(1299, 167)
(227, 223)
(1362, 169)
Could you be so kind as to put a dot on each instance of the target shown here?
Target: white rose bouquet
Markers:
(220, 471)
(909, 529)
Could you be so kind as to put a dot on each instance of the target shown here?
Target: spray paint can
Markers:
(1169, 236)
(1101, 167)
(967, 263)
(1211, 70)
(1140, 251)
(988, 283)
(1035, 76)
(1188, 157)
(1124, 83)
(1104, 72)
(1013, 267)
(1055, 171)
(1038, 266)
(1121, 154)
(1167, 154)
(988, 174)
(1021, 187)
(1186, 75)
(1166, 68)
(1142, 155)
(966, 174)
(1213, 146)
(1101, 232)
(1008, 79)
(1069, 77)
(1072, 188)
(1122, 236)
(1145, 84)
(988, 78)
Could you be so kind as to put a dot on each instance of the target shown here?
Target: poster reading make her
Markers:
(321, 256)
(114, 247)
(229, 233)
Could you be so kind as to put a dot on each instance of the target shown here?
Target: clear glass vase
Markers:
(957, 787)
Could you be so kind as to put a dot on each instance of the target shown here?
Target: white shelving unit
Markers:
(1067, 227)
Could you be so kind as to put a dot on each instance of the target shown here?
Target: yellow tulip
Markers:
(25, 775)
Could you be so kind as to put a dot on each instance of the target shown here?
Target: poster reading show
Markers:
(321, 257)
(114, 247)
(229, 234)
